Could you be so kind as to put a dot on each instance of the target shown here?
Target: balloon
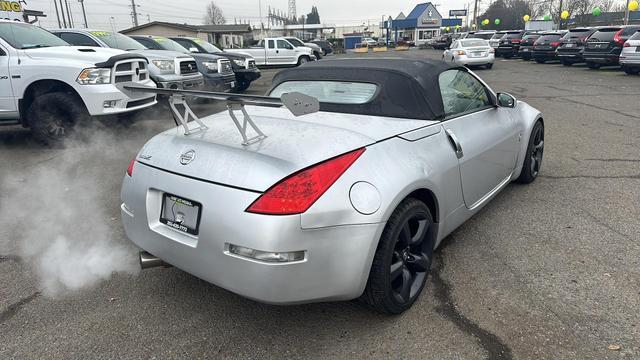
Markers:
(496, 21)
(485, 22)
(526, 18)
(564, 15)
(458, 27)
(633, 5)
(597, 11)
(547, 18)
(447, 29)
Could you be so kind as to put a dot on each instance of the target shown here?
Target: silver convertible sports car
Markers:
(343, 192)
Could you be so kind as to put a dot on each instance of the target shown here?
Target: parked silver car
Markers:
(630, 55)
(470, 52)
(345, 202)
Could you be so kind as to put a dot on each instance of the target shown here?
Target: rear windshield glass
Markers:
(604, 35)
(474, 43)
(533, 36)
(485, 36)
(630, 30)
(576, 33)
(549, 37)
(635, 36)
(497, 36)
(512, 35)
(336, 92)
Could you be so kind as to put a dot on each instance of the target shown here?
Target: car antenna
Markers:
(297, 103)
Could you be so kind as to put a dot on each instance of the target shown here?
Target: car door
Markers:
(484, 137)
(8, 108)
(272, 53)
(286, 52)
(77, 39)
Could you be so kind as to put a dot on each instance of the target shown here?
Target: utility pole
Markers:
(64, 20)
(475, 15)
(57, 14)
(66, 3)
(560, 16)
(626, 14)
(134, 13)
(148, 18)
(84, 14)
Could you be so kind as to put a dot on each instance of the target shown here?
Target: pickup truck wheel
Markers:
(303, 60)
(403, 259)
(52, 117)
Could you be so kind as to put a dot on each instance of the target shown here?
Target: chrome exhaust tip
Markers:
(148, 261)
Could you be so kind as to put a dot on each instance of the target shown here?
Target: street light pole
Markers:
(475, 14)
(57, 14)
(84, 14)
(626, 14)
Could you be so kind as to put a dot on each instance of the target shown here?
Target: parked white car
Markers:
(49, 86)
(470, 52)
(630, 56)
(279, 51)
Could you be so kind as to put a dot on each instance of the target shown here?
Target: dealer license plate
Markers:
(180, 214)
(569, 45)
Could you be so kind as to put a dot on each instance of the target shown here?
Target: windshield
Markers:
(168, 44)
(295, 42)
(474, 43)
(207, 46)
(337, 92)
(118, 41)
(23, 36)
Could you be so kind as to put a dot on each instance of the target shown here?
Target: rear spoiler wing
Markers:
(297, 103)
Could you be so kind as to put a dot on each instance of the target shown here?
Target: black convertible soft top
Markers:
(407, 88)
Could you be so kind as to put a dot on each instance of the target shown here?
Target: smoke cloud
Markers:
(62, 214)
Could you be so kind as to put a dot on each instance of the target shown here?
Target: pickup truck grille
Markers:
(188, 67)
(224, 67)
(130, 71)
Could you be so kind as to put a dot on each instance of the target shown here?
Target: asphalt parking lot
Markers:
(548, 270)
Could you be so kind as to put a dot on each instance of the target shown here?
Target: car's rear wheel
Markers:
(402, 260)
(540, 60)
(533, 158)
(526, 57)
(52, 117)
(566, 62)
(592, 65)
(489, 66)
(631, 70)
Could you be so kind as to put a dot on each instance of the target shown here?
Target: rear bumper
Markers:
(630, 59)
(546, 54)
(507, 50)
(570, 55)
(336, 263)
(611, 59)
(465, 60)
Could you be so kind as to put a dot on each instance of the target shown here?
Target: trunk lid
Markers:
(292, 143)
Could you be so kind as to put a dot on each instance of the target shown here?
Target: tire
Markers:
(526, 57)
(533, 158)
(397, 256)
(566, 62)
(489, 66)
(317, 55)
(242, 86)
(540, 60)
(630, 70)
(52, 117)
(303, 60)
(507, 56)
(593, 66)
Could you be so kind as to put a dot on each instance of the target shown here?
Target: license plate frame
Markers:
(188, 222)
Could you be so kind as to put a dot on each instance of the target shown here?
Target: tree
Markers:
(313, 17)
(510, 13)
(213, 15)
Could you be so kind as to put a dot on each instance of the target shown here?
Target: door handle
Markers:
(453, 139)
(277, 51)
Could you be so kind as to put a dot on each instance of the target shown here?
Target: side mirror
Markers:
(506, 100)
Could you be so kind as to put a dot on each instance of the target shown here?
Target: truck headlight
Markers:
(240, 62)
(94, 76)
(210, 66)
(165, 65)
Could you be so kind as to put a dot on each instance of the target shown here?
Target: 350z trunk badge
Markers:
(187, 157)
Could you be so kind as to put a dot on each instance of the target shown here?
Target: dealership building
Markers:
(423, 23)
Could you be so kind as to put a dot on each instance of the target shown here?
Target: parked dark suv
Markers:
(509, 45)
(526, 46)
(327, 47)
(443, 42)
(544, 49)
(572, 44)
(605, 45)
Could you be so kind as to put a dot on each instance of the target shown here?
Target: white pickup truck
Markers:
(278, 51)
(49, 86)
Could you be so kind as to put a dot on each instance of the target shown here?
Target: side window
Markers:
(284, 45)
(148, 43)
(462, 93)
(77, 39)
(2, 52)
(272, 44)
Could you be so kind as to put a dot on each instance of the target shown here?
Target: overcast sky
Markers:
(340, 12)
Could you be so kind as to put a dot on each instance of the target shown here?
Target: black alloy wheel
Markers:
(402, 260)
(533, 160)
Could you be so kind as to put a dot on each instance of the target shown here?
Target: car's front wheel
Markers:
(52, 117)
(533, 158)
(592, 65)
(303, 60)
(402, 260)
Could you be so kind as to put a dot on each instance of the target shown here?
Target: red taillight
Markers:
(555, 44)
(515, 41)
(296, 193)
(130, 168)
(618, 39)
